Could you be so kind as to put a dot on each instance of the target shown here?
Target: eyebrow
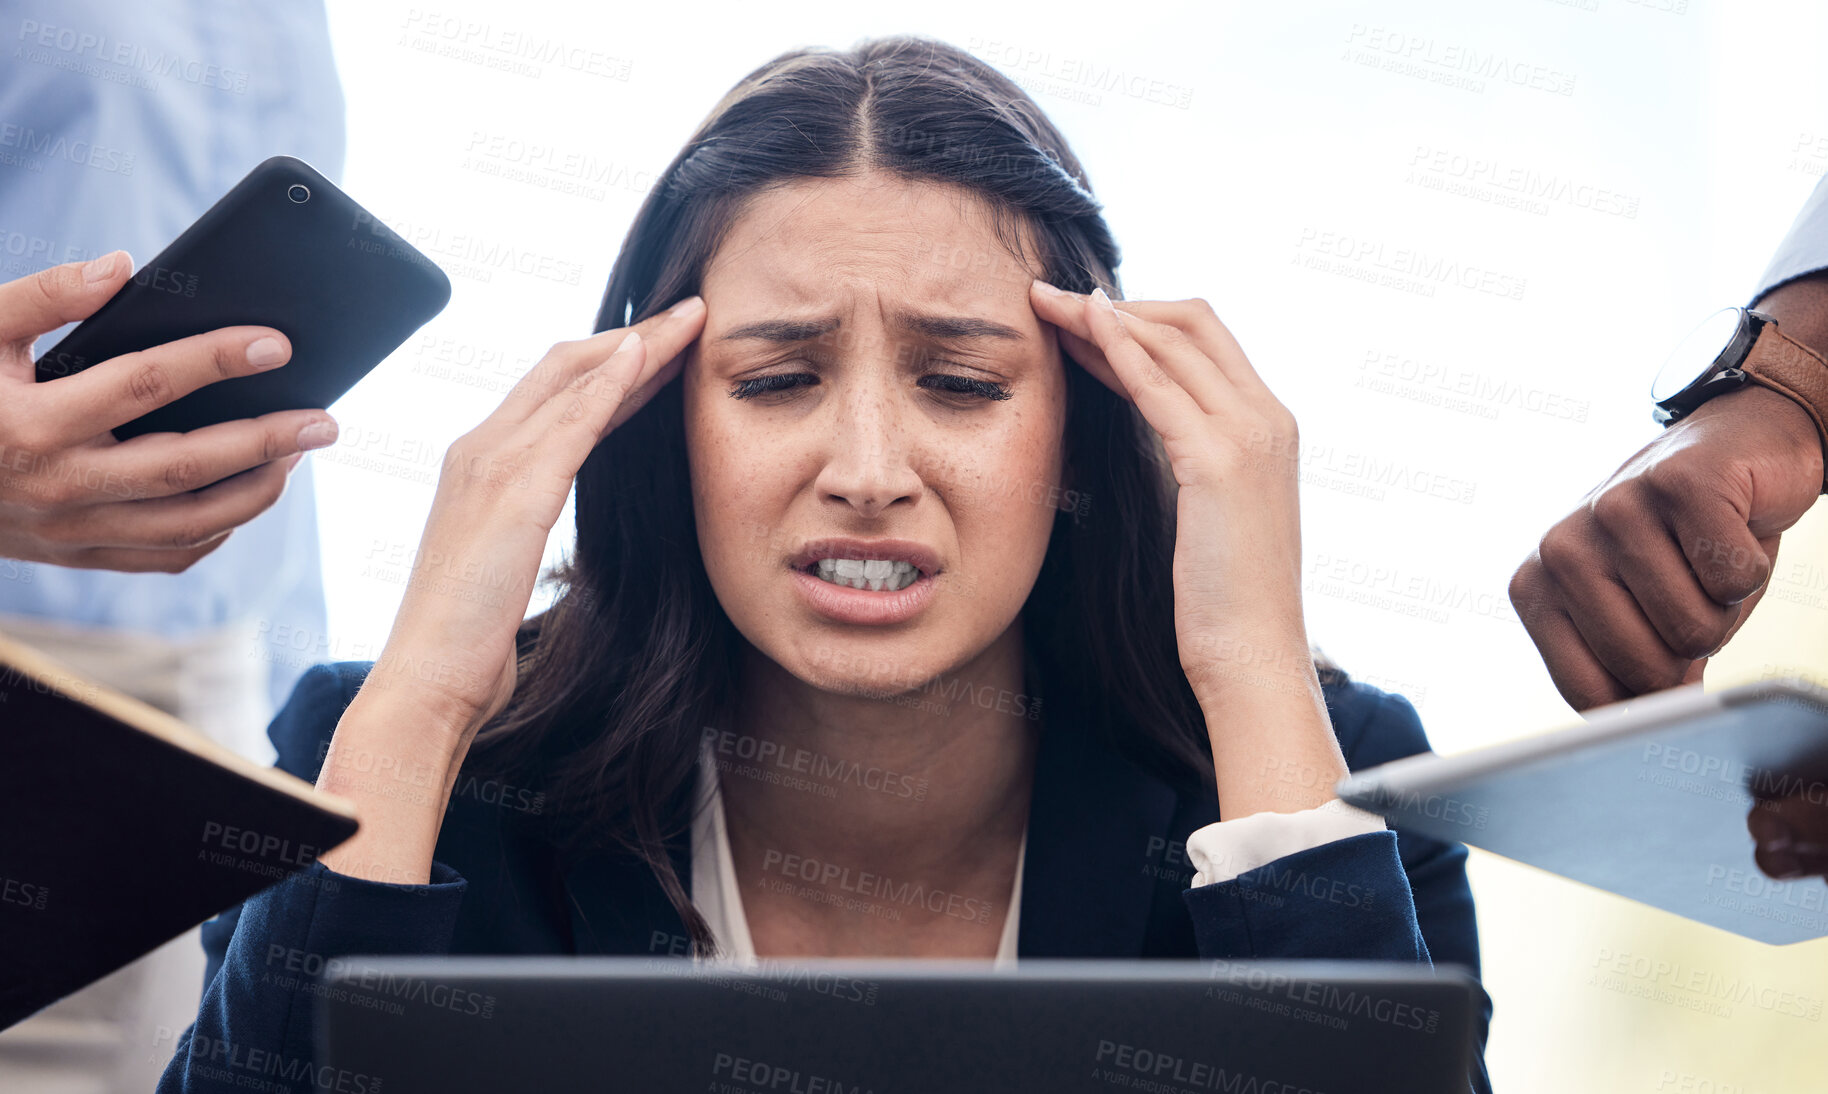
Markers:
(943, 328)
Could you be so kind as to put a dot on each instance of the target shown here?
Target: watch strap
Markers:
(1790, 368)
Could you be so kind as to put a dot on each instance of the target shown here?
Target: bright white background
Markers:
(1320, 144)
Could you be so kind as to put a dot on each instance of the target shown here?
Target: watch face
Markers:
(1695, 357)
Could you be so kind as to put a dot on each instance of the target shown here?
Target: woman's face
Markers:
(873, 401)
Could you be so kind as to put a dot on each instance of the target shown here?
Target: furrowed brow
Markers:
(942, 328)
(782, 330)
(956, 328)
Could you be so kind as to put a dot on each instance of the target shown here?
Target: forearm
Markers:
(1273, 747)
(397, 760)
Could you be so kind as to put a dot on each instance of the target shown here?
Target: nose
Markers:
(868, 467)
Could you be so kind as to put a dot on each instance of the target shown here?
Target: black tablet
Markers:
(1648, 800)
(284, 249)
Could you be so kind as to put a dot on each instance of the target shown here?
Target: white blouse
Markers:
(1218, 852)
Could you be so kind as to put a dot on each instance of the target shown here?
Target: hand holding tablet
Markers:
(1650, 799)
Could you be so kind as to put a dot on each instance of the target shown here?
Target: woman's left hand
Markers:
(1233, 448)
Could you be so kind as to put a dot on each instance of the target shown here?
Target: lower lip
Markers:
(865, 606)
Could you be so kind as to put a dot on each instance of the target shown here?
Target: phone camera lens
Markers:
(299, 194)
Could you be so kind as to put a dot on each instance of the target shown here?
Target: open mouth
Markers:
(876, 574)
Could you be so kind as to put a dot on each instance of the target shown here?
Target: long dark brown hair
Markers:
(636, 656)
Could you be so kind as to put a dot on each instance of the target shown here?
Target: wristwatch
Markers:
(1734, 347)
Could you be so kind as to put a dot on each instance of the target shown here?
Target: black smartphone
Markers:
(284, 249)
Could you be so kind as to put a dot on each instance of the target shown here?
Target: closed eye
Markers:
(764, 385)
(940, 382)
(964, 385)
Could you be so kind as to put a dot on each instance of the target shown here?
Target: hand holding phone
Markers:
(284, 249)
(72, 495)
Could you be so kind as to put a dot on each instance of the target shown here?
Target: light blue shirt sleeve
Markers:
(1805, 249)
(120, 122)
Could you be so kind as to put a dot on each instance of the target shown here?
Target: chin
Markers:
(866, 669)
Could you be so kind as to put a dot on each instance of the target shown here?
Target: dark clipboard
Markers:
(121, 828)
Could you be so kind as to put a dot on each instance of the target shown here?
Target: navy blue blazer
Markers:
(1105, 876)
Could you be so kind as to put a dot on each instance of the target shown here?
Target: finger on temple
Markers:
(572, 422)
(1169, 408)
(664, 335)
(644, 390)
(1182, 356)
(1091, 358)
(1208, 331)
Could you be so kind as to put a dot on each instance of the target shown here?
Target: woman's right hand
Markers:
(499, 494)
(449, 662)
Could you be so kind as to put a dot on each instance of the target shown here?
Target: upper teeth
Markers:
(868, 573)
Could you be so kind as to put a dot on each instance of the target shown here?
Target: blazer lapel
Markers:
(1087, 885)
(618, 907)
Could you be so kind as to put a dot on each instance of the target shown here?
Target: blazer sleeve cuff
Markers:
(1346, 899)
(1222, 851)
(262, 1002)
(357, 915)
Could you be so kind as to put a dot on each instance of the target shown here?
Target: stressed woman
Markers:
(926, 601)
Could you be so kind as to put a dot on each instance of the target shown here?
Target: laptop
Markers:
(555, 1024)
(1647, 800)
